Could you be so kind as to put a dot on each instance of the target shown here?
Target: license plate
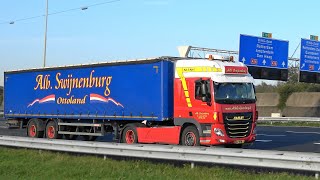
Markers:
(239, 142)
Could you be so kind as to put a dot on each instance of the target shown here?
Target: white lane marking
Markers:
(303, 132)
(263, 140)
(272, 135)
(317, 143)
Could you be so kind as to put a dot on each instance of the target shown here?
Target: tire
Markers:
(190, 136)
(129, 135)
(33, 129)
(52, 130)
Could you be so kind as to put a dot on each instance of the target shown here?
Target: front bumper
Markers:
(223, 140)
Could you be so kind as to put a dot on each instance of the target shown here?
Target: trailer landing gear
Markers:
(70, 136)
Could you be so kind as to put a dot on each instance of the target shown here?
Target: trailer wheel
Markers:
(129, 135)
(33, 129)
(52, 130)
(190, 136)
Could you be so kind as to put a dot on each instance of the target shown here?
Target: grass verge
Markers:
(33, 164)
(297, 124)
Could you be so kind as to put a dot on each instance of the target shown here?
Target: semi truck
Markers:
(166, 100)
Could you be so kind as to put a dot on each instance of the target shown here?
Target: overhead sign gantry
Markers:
(266, 58)
(310, 60)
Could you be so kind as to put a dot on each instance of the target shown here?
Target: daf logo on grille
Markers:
(238, 117)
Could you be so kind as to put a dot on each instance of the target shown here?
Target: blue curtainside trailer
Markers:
(132, 90)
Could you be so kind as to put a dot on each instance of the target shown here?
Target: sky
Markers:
(133, 29)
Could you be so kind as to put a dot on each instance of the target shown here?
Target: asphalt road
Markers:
(300, 139)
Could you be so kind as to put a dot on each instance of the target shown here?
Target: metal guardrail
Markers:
(308, 162)
(288, 119)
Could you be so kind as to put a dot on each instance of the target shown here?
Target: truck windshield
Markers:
(234, 93)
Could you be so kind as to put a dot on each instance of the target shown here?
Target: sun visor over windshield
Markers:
(232, 78)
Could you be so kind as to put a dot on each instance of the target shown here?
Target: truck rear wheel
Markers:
(33, 129)
(129, 135)
(190, 136)
(52, 130)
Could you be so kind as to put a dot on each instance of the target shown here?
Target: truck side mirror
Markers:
(204, 90)
(204, 98)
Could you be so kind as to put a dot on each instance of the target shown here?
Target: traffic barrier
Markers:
(300, 161)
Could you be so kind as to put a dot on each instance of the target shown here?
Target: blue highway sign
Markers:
(263, 52)
(310, 55)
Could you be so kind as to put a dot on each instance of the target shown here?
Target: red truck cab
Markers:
(217, 96)
(214, 104)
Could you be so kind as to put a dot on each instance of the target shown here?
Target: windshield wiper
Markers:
(246, 100)
(225, 101)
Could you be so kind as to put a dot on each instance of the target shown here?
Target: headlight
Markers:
(218, 132)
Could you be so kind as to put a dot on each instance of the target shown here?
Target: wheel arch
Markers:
(185, 122)
(48, 120)
(40, 123)
(134, 124)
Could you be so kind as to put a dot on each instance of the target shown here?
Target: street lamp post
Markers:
(45, 36)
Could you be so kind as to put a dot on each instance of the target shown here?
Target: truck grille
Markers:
(238, 125)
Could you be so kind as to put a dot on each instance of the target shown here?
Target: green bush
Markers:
(285, 90)
(264, 87)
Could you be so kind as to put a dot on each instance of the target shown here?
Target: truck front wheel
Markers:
(190, 136)
(129, 135)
